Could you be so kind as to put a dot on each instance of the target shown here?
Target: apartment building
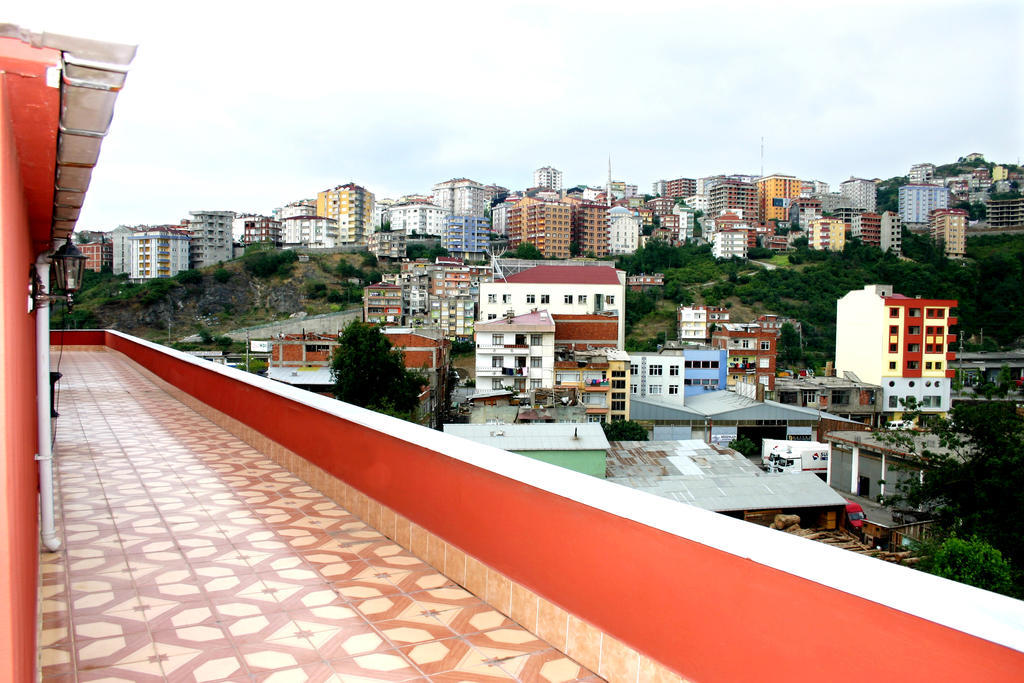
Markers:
(948, 227)
(729, 243)
(916, 202)
(382, 304)
(826, 234)
(751, 351)
(351, 206)
(623, 231)
(302, 207)
(802, 211)
(732, 196)
(265, 229)
(212, 240)
(921, 174)
(695, 322)
(499, 219)
(1005, 213)
(903, 344)
(159, 252)
(589, 226)
(418, 218)
(562, 289)
(309, 230)
(672, 374)
(861, 193)
(98, 254)
(548, 177)
(516, 351)
(891, 233)
(467, 237)
(389, 244)
(546, 225)
(462, 197)
(455, 315)
(661, 206)
(679, 187)
(867, 227)
(600, 379)
(774, 193)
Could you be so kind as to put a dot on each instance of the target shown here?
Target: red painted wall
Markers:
(708, 614)
(19, 553)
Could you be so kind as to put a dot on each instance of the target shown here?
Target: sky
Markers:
(232, 106)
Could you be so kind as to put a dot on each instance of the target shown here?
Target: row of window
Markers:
(916, 365)
(535, 339)
(894, 312)
(520, 361)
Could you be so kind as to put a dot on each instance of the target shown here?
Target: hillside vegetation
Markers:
(988, 286)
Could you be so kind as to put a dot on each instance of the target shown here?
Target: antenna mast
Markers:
(762, 156)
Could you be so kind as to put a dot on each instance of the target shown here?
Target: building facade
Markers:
(420, 218)
(732, 196)
(727, 243)
(309, 230)
(900, 343)
(590, 227)
(462, 197)
(751, 351)
(264, 229)
(548, 177)
(623, 231)
(916, 202)
(98, 254)
(382, 304)
(826, 234)
(1005, 213)
(159, 253)
(867, 227)
(695, 322)
(387, 244)
(774, 193)
(861, 193)
(921, 174)
(545, 225)
(467, 237)
(948, 227)
(351, 206)
(516, 351)
(211, 237)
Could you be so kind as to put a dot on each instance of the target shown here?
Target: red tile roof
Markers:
(567, 275)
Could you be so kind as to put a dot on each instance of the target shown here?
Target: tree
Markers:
(975, 489)
(745, 445)
(624, 430)
(789, 344)
(368, 372)
(526, 250)
(971, 561)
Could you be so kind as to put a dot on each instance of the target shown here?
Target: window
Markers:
(938, 365)
(673, 370)
(745, 344)
(654, 370)
(492, 316)
(535, 362)
(581, 299)
(618, 405)
(894, 329)
(928, 365)
(536, 340)
(766, 346)
(618, 384)
(914, 329)
(894, 348)
(545, 298)
(893, 402)
(497, 361)
(495, 383)
(619, 395)
(497, 339)
(914, 348)
(673, 389)
(506, 298)
(535, 383)
(633, 368)
(531, 298)
(492, 298)
(610, 299)
(763, 362)
(655, 389)
(892, 365)
(618, 373)
(914, 313)
(632, 388)
(913, 365)
(894, 312)
(568, 298)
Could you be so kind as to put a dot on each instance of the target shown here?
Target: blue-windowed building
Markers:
(704, 370)
(467, 237)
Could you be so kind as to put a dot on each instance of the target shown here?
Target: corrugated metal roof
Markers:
(302, 375)
(716, 479)
(723, 405)
(534, 437)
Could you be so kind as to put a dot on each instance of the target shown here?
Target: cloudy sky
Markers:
(232, 106)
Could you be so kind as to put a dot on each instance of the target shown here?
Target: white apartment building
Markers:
(303, 207)
(861, 193)
(212, 241)
(388, 245)
(158, 253)
(694, 322)
(381, 207)
(921, 174)
(916, 202)
(548, 177)
(119, 240)
(729, 243)
(563, 289)
(698, 202)
(421, 218)
(892, 233)
(687, 223)
(499, 219)
(312, 231)
(623, 231)
(812, 188)
(657, 376)
(516, 351)
(461, 197)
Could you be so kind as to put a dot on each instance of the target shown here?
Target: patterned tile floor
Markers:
(190, 556)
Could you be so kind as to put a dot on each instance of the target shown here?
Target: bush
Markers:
(190, 277)
(222, 275)
(463, 346)
(369, 260)
(335, 297)
(316, 290)
(265, 263)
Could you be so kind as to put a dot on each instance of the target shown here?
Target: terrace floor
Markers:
(189, 555)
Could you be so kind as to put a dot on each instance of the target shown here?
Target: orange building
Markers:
(589, 226)
(774, 194)
(545, 225)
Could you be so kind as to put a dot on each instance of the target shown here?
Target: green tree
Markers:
(745, 445)
(527, 250)
(789, 345)
(971, 561)
(222, 275)
(368, 372)
(624, 430)
(975, 487)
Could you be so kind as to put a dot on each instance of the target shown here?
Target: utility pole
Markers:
(762, 156)
(247, 350)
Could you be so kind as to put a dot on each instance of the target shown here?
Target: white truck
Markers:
(795, 456)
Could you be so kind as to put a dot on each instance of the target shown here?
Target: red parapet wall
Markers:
(699, 610)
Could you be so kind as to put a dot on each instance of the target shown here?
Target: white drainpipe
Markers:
(45, 456)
